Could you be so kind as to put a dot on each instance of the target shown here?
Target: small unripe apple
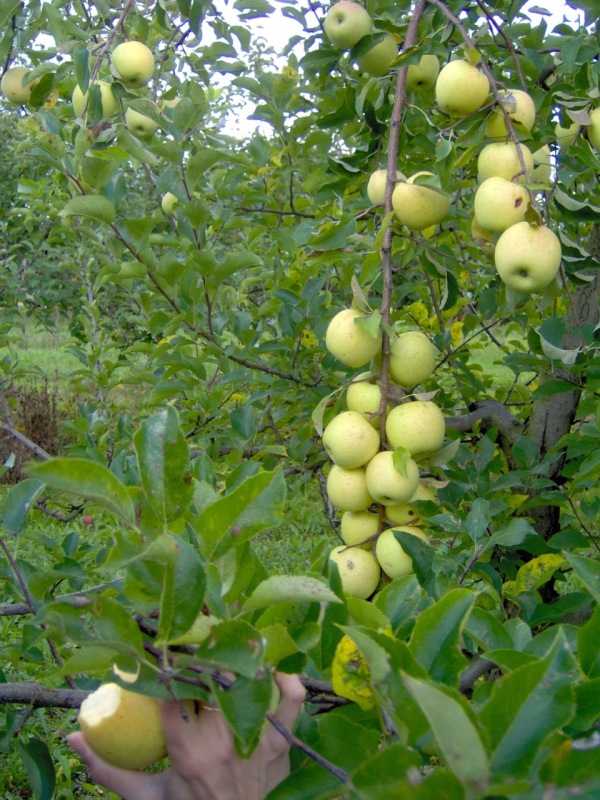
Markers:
(419, 427)
(168, 203)
(139, 124)
(480, 234)
(350, 440)
(364, 395)
(422, 76)
(419, 207)
(357, 527)
(406, 513)
(528, 257)
(461, 88)
(133, 63)
(566, 136)
(542, 171)
(359, 570)
(502, 159)
(499, 203)
(390, 554)
(520, 108)
(379, 59)
(347, 489)
(123, 727)
(593, 129)
(377, 183)
(12, 86)
(386, 484)
(80, 100)
(412, 358)
(346, 23)
(348, 342)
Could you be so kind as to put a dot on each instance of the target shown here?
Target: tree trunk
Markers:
(552, 417)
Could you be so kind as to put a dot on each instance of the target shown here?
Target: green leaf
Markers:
(92, 206)
(487, 631)
(244, 706)
(289, 588)
(526, 706)
(253, 506)
(164, 465)
(183, 585)
(588, 572)
(510, 535)
(18, 503)
(38, 762)
(81, 62)
(334, 235)
(234, 646)
(90, 480)
(456, 735)
(436, 638)
(384, 774)
(588, 645)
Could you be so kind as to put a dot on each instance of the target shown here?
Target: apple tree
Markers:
(213, 195)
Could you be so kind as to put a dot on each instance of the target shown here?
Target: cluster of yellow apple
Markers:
(132, 63)
(346, 23)
(527, 255)
(363, 474)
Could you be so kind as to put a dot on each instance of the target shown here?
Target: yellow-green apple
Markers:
(357, 527)
(359, 570)
(593, 129)
(500, 203)
(168, 203)
(422, 76)
(378, 60)
(390, 554)
(528, 257)
(417, 426)
(418, 207)
(346, 23)
(566, 136)
(376, 185)
(502, 159)
(139, 124)
(347, 489)
(12, 85)
(412, 358)
(80, 100)
(133, 63)
(542, 159)
(348, 342)
(350, 440)
(461, 88)
(123, 727)
(364, 395)
(519, 107)
(388, 485)
(406, 513)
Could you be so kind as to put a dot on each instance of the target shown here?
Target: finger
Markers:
(293, 695)
(128, 783)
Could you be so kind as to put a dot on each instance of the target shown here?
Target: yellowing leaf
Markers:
(537, 572)
(350, 675)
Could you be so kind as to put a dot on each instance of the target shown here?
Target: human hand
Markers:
(203, 761)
